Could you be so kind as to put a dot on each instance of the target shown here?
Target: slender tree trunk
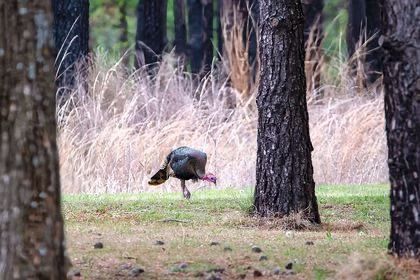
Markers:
(253, 36)
(71, 35)
(313, 35)
(31, 225)
(400, 41)
(123, 29)
(151, 31)
(207, 18)
(195, 42)
(285, 183)
(374, 54)
(356, 24)
(180, 28)
(219, 14)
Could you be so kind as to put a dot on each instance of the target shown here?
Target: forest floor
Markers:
(212, 236)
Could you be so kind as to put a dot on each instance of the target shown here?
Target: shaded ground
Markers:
(355, 220)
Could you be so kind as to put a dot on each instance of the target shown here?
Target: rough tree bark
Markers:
(31, 225)
(180, 28)
(313, 35)
(400, 41)
(285, 183)
(71, 35)
(151, 31)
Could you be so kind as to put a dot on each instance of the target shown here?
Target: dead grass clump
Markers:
(369, 267)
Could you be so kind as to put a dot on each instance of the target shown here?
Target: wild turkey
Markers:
(184, 163)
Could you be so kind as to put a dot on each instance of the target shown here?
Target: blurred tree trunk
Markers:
(253, 36)
(31, 225)
(195, 42)
(313, 35)
(207, 19)
(285, 183)
(374, 54)
(71, 35)
(364, 27)
(180, 28)
(123, 29)
(355, 25)
(219, 13)
(400, 41)
(151, 31)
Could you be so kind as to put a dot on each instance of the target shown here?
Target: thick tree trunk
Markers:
(400, 41)
(180, 28)
(285, 183)
(71, 35)
(151, 31)
(31, 225)
(355, 25)
(313, 35)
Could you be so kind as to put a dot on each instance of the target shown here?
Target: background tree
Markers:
(402, 113)
(151, 31)
(364, 28)
(180, 41)
(195, 41)
(31, 225)
(285, 183)
(71, 36)
(313, 35)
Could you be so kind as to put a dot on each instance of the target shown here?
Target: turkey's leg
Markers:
(185, 191)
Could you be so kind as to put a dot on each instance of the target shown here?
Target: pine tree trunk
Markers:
(180, 28)
(31, 225)
(71, 35)
(151, 31)
(356, 24)
(374, 54)
(313, 35)
(400, 41)
(207, 36)
(195, 42)
(285, 183)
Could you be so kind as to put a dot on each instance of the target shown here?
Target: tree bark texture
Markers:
(285, 183)
(71, 35)
(31, 225)
(356, 24)
(180, 27)
(313, 35)
(151, 30)
(400, 41)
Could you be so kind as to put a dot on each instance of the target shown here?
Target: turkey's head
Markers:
(210, 177)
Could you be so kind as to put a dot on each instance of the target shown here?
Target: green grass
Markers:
(355, 219)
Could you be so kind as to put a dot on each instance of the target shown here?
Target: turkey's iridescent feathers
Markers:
(183, 163)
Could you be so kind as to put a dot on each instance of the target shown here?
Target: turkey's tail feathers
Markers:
(159, 178)
(162, 175)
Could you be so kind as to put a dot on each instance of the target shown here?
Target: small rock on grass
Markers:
(257, 273)
(98, 245)
(276, 271)
(242, 275)
(74, 272)
(256, 249)
(182, 265)
(159, 242)
(136, 271)
(309, 243)
(289, 265)
(227, 249)
(213, 276)
(263, 258)
(214, 243)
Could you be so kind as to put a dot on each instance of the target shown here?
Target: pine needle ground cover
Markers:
(213, 234)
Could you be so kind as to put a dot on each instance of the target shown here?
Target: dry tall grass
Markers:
(114, 137)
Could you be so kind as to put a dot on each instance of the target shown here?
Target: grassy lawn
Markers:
(355, 223)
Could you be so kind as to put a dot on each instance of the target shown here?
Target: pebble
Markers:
(136, 271)
(182, 266)
(257, 273)
(214, 243)
(159, 242)
(98, 245)
(289, 265)
(263, 258)
(256, 249)
(227, 248)
(213, 276)
(276, 271)
(309, 243)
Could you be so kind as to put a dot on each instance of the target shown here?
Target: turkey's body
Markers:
(183, 163)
